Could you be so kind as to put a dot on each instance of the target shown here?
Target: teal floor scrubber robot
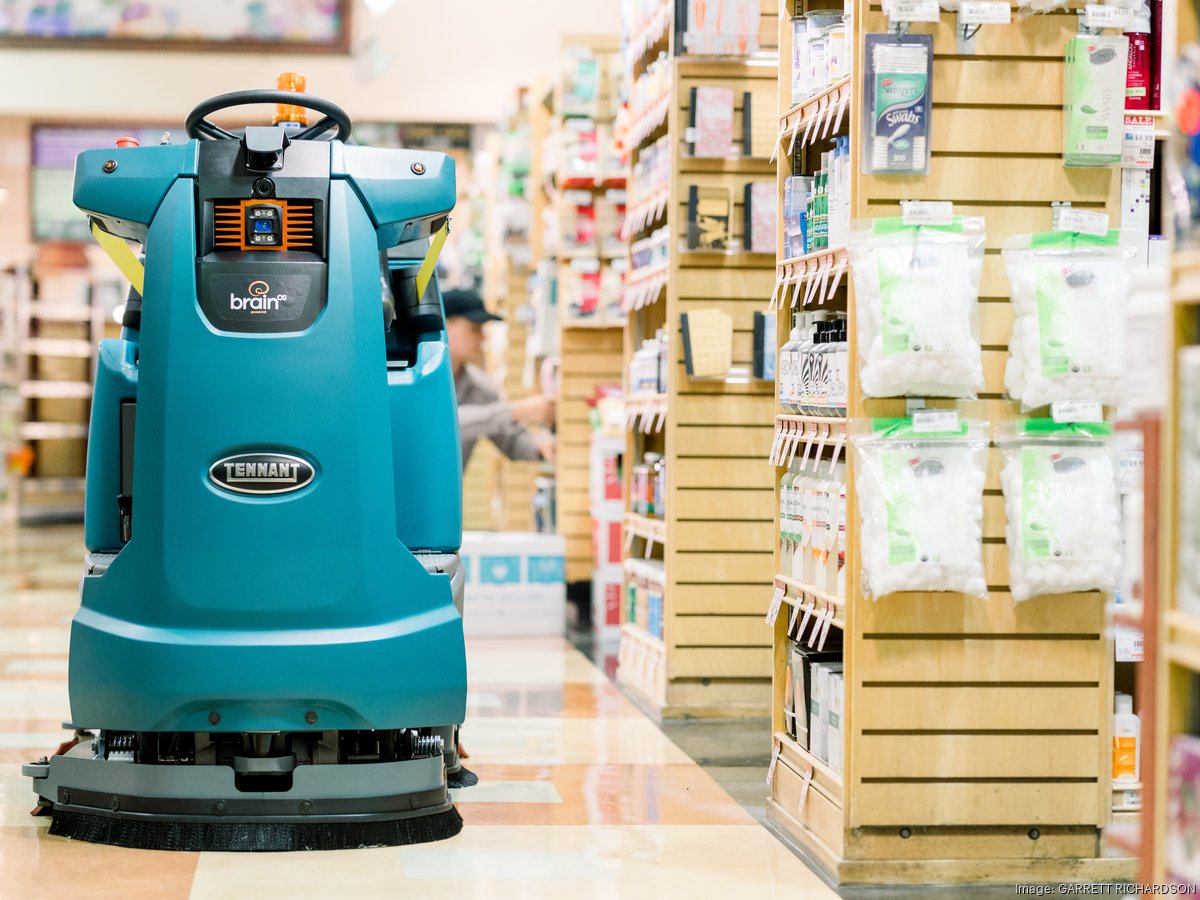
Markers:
(269, 650)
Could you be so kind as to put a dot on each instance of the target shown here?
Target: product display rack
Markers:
(976, 734)
(1177, 661)
(60, 323)
(587, 351)
(506, 293)
(713, 658)
(13, 281)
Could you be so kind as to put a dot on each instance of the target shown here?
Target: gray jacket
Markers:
(481, 413)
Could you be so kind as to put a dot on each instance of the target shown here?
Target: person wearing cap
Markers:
(481, 412)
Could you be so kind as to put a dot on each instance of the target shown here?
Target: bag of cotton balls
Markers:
(916, 297)
(1063, 508)
(920, 503)
(1070, 297)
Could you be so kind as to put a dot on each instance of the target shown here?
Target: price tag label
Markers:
(1097, 16)
(774, 763)
(689, 135)
(915, 11)
(1130, 470)
(1077, 411)
(776, 603)
(1129, 644)
(984, 12)
(804, 786)
(1082, 221)
(1137, 144)
(927, 421)
(928, 212)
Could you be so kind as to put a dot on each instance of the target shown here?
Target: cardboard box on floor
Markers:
(515, 584)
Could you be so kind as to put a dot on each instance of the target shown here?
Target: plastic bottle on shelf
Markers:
(802, 512)
(837, 561)
(787, 524)
(839, 370)
(783, 369)
(1127, 741)
(1137, 69)
(820, 369)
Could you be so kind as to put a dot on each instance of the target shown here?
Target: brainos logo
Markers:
(261, 473)
(258, 302)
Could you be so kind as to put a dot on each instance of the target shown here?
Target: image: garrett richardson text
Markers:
(1108, 889)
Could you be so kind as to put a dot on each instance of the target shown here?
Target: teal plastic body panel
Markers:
(264, 609)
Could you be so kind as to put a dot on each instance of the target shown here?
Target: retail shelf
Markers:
(808, 597)
(60, 312)
(582, 325)
(821, 270)
(651, 35)
(820, 116)
(50, 485)
(793, 432)
(56, 390)
(638, 633)
(1183, 638)
(1128, 614)
(650, 120)
(1124, 833)
(731, 165)
(57, 347)
(644, 287)
(653, 531)
(646, 412)
(734, 259)
(829, 780)
(52, 431)
(646, 211)
(811, 420)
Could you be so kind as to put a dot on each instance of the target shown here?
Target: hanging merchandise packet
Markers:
(1064, 515)
(1070, 297)
(917, 291)
(920, 502)
(898, 104)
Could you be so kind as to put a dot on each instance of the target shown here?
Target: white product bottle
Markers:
(837, 555)
(785, 367)
(1127, 741)
(839, 370)
(802, 498)
(787, 520)
(808, 370)
(818, 548)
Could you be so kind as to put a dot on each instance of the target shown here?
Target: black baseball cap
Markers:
(467, 304)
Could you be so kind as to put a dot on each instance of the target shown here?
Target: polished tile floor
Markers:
(579, 796)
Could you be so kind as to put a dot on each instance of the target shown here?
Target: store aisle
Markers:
(580, 794)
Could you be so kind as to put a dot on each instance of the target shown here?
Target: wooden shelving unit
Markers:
(714, 659)
(976, 734)
(59, 324)
(511, 483)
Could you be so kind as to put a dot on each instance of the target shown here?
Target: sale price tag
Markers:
(1137, 144)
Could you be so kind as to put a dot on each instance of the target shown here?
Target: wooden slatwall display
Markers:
(589, 354)
(714, 659)
(510, 484)
(1178, 661)
(977, 734)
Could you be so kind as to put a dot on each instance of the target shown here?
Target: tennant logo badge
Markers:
(261, 473)
(258, 302)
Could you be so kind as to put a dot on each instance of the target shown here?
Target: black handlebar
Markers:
(199, 127)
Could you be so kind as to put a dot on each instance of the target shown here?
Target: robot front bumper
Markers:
(255, 804)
